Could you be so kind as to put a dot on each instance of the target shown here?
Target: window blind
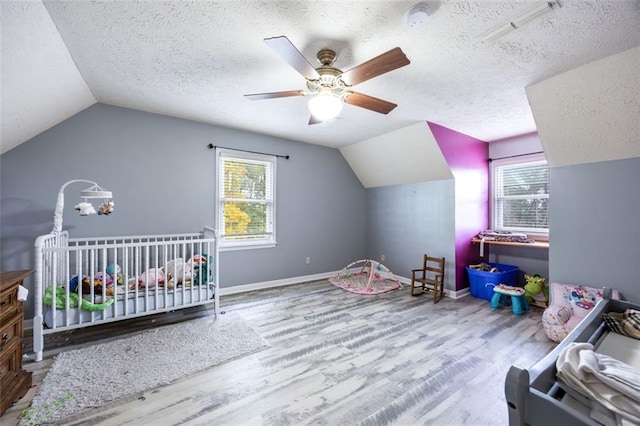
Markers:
(522, 197)
(246, 197)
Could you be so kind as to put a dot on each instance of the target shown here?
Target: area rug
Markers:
(91, 377)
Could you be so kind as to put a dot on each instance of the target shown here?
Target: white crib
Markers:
(91, 281)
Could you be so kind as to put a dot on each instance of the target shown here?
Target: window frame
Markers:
(536, 234)
(270, 236)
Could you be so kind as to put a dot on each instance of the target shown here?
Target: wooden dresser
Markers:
(14, 381)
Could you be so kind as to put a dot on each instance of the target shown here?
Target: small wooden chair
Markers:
(431, 274)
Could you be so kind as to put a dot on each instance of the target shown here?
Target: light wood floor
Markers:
(338, 358)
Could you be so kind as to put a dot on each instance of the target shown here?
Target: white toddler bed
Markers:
(89, 281)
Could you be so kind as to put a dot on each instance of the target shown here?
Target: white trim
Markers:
(461, 293)
(225, 291)
(448, 293)
(248, 247)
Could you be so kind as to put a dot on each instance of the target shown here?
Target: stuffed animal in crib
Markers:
(97, 285)
(202, 267)
(86, 285)
(176, 270)
(149, 278)
(106, 279)
(74, 300)
(116, 273)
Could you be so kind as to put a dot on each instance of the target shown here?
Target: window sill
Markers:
(246, 247)
(537, 244)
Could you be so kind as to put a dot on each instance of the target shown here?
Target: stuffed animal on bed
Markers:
(61, 300)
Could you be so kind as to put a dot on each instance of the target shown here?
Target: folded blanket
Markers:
(609, 382)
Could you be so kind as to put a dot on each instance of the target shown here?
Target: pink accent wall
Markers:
(467, 158)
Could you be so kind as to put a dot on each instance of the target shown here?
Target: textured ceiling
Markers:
(196, 60)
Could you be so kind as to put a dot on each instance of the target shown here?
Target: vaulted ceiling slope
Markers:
(41, 86)
(196, 60)
(591, 113)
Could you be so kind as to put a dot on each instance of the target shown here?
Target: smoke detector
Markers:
(417, 15)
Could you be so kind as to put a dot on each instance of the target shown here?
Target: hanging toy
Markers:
(106, 207)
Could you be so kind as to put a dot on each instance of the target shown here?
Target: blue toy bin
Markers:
(481, 283)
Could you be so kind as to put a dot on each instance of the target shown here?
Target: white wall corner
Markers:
(407, 155)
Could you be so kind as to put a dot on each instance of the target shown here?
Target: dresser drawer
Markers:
(10, 330)
(11, 346)
(9, 303)
(11, 357)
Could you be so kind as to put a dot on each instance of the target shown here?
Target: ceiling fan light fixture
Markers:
(325, 105)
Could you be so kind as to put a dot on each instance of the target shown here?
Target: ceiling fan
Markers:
(330, 86)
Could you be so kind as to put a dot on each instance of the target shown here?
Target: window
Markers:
(521, 195)
(245, 199)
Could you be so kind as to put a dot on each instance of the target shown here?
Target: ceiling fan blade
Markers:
(388, 61)
(314, 120)
(273, 95)
(287, 51)
(369, 102)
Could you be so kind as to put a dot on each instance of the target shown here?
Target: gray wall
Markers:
(162, 175)
(407, 221)
(595, 225)
(530, 260)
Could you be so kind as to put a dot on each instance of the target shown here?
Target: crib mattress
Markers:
(623, 348)
(144, 303)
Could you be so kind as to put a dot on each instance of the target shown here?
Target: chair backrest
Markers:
(579, 298)
(434, 265)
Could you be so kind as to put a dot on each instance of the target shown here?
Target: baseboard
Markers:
(460, 293)
(225, 291)
(448, 293)
(297, 280)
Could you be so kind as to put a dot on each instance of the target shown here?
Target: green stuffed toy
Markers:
(73, 300)
(535, 289)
